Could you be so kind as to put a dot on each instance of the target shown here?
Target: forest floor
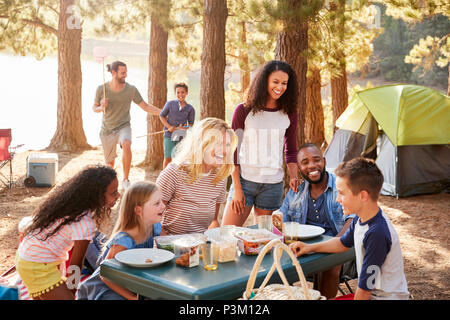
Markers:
(422, 222)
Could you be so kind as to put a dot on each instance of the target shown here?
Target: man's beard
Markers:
(322, 176)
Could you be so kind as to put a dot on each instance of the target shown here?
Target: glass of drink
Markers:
(265, 222)
(291, 232)
(210, 255)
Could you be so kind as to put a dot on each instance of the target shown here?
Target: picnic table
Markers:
(169, 281)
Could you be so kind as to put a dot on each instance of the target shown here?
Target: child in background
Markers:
(266, 124)
(377, 247)
(194, 184)
(67, 219)
(176, 115)
(140, 214)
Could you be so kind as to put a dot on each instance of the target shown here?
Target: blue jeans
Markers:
(265, 196)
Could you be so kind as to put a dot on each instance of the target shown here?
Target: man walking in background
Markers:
(114, 100)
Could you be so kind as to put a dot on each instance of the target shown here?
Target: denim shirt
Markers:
(295, 205)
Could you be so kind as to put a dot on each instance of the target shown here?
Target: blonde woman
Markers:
(193, 185)
(139, 220)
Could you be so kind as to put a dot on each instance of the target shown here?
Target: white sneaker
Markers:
(125, 184)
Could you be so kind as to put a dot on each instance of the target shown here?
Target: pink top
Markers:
(56, 248)
(191, 207)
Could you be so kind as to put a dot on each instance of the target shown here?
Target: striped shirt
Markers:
(190, 206)
(56, 248)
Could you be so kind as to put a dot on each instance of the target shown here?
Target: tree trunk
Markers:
(157, 89)
(69, 135)
(212, 90)
(339, 94)
(314, 124)
(244, 65)
(291, 45)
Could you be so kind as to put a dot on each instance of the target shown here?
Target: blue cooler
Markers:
(41, 170)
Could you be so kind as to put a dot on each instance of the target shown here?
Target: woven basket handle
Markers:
(278, 252)
(253, 274)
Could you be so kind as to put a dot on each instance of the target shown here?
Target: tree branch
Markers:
(35, 22)
(38, 23)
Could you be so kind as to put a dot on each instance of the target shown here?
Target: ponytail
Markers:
(115, 66)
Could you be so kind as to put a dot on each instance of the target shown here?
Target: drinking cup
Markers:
(265, 222)
(210, 256)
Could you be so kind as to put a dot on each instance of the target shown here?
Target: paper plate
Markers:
(140, 258)
(305, 231)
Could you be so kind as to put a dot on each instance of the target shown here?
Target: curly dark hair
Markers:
(72, 200)
(258, 95)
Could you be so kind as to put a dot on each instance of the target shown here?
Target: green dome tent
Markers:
(406, 128)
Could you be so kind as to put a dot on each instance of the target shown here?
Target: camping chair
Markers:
(348, 272)
(6, 156)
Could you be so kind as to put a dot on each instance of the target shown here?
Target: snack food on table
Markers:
(166, 242)
(227, 246)
(186, 250)
(251, 241)
(277, 220)
(148, 260)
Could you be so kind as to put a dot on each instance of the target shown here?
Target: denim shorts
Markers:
(265, 196)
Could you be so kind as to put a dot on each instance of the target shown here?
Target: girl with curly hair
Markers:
(265, 123)
(67, 220)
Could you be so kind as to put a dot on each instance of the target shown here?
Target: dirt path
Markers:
(422, 222)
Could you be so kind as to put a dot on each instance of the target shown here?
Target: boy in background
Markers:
(177, 115)
(377, 247)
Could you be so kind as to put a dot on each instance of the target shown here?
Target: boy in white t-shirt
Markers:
(377, 246)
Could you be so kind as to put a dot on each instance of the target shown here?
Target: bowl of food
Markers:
(251, 241)
(167, 242)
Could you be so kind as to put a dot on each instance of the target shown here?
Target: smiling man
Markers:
(315, 204)
(114, 100)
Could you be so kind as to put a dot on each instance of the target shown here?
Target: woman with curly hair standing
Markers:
(265, 124)
(67, 219)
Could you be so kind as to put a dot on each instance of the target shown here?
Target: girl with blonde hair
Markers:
(193, 185)
(140, 214)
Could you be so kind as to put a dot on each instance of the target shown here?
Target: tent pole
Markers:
(396, 172)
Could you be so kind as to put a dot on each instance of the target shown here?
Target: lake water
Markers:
(29, 95)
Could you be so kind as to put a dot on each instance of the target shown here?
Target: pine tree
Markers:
(431, 50)
(212, 91)
(340, 43)
(157, 80)
(41, 28)
(339, 94)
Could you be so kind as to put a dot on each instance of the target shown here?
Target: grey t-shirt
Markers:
(117, 112)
